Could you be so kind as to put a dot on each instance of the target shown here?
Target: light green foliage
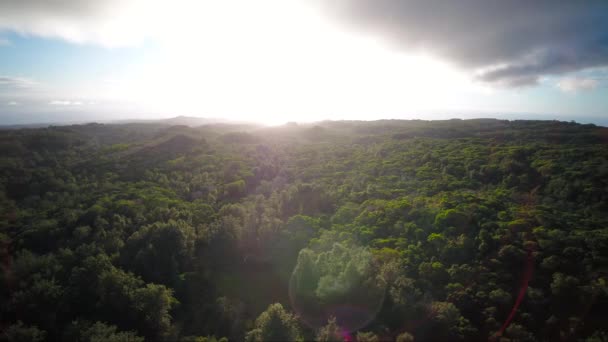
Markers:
(330, 332)
(367, 337)
(100, 332)
(405, 337)
(432, 271)
(334, 275)
(275, 324)
(500, 296)
(451, 218)
(449, 322)
(564, 285)
(329, 282)
(234, 189)
(404, 291)
(341, 270)
(153, 303)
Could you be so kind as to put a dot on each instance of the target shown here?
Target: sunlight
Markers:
(305, 71)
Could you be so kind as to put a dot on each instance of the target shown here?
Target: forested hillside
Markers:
(334, 231)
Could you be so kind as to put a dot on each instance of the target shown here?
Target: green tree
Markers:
(19, 332)
(405, 337)
(367, 337)
(161, 251)
(153, 303)
(330, 332)
(100, 332)
(275, 324)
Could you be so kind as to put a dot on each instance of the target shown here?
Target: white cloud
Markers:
(65, 103)
(110, 23)
(60, 103)
(17, 89)
(574, 84)
(12, 103)
(5, 42)
(119, 23)
(16, 82)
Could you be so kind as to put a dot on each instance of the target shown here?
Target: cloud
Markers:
(574, 84)
(65, 103)
(18, 91)
(9, 82)
(5, 42)
(506, 43)
(509, 43)
(109, 22)
(119, 23)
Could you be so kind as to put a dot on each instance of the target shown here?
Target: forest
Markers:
(389, 230)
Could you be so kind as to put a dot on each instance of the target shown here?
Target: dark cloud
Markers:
(55, 7)
(508, 42)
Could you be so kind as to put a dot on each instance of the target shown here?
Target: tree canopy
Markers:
(371, 231)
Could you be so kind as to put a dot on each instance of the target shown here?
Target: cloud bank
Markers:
(65, 103)
(507, 43)
(9, 82)
(574, 84)
(109, 22)
(510, 43)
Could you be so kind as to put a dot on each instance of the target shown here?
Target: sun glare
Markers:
(285, 63)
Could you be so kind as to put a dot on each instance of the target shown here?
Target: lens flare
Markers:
(336, 282)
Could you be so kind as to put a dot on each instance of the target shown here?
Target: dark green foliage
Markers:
(384, 230)
(99, 332)
(20, 333)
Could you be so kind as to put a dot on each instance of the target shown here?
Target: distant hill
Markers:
(191, 121)
(181, 120)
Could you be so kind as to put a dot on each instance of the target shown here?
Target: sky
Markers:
(274, 61)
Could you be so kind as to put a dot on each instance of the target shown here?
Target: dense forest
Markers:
(334, 231)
